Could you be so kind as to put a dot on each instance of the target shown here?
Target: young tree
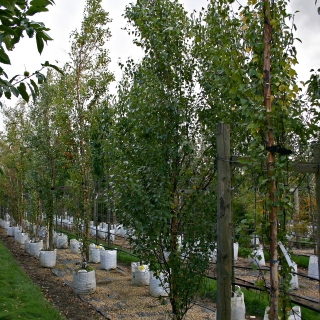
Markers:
(48, 149)
(86, 84)
(15, 160)
(164, 191)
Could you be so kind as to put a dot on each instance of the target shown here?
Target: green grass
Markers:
(255, 301)
(208, 289)
(19, 297)
(301, 261)
(126, 258)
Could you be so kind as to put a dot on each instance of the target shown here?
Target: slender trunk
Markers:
(173, 275)
(273, 236)
(174, 280)
(174, 246)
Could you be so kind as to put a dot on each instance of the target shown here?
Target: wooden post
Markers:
(224, 224)
(317, 160)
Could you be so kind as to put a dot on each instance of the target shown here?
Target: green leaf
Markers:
(30, 32)
(35, 87)
(40, 43)
(45, 36)
(4, 57)
(9, 4)
(23, 91)
(7, 94)
(33, 10)
(15, 91)
(34, 96)
(41, 3)
(40, 77)
(16, 76)
(56, 68)
(7, 30)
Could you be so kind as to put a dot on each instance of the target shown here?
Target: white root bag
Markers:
(108, 259)
(23, 238)
(257, 257)
(93, 231)
(84, 282)
(5, 224)
(74, 246)
(254, 242)
(35, 248)
(313, 270)
(48, 258)
(17, 233)
(10, 232)
(27, 246)
(139, 274)
(155, 286)
(94, 253)
(293, 314)
(238, 308)
(102, 233)
(235, 250)
(62, 241)
(294, 284)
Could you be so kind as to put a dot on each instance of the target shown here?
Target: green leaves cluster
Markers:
(164, 192)
(15, 18)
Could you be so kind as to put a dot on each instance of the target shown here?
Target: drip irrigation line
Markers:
(204, 306)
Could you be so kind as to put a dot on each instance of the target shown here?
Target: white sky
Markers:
(66, 16)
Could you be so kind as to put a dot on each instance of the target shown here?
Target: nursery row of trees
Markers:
(151, 148)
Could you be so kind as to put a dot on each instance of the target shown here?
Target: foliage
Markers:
(82, 97)
(164, 192)
(14, 161)
(15, 23)
(47, 174)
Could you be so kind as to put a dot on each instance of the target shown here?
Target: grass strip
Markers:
(19, 297)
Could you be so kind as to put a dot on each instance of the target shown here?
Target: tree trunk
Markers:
(272, 210)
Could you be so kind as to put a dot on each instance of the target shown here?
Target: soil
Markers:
(53, 288)
(115, 297)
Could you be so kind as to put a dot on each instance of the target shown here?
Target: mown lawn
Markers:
(19, 297)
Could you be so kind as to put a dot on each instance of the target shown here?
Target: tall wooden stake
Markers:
(273, 236)
(224, 225)
(317, 160)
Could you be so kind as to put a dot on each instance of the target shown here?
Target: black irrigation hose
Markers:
(268, 269)
(204, 306)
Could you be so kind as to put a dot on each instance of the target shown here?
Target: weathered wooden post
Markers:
(317, 161)
(224, 224)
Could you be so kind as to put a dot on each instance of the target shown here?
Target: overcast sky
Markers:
(66, 16)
